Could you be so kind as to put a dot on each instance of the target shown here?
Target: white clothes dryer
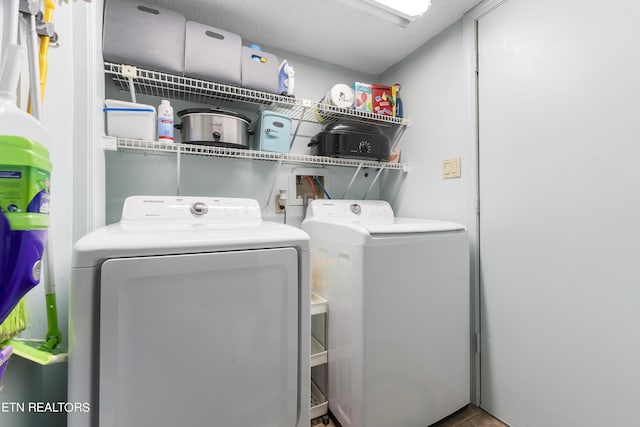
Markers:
(191, 311)
(398, 321)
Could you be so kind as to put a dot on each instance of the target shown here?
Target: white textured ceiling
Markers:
(327, 30)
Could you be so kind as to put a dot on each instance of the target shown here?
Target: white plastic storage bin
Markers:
(145, 35)
(259, 70)
(130, 120)
(212, 54)
(273, 132)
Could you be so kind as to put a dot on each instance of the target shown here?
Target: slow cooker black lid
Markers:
(215, 111)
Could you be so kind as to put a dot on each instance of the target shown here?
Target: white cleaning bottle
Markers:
(14, 121)
(165, 121)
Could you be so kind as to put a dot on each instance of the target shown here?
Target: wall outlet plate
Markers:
(277, 204)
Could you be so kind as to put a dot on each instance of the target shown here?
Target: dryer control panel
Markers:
(191, 210)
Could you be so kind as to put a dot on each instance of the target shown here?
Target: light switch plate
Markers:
(451, 168)
(446, 168)
(455, 167)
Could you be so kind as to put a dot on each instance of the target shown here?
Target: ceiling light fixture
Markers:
(398, 12)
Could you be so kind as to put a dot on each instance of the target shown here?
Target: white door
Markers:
(200, 340)
(559, 105)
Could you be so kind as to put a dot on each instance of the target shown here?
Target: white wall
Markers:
(435, 98)
(26, 381)
(438, 97)
(559, 130)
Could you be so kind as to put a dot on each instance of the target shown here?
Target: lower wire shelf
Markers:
(140, 145)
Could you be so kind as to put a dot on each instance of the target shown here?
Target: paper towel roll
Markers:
(339, 95)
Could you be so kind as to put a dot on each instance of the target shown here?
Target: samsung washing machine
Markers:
(398, 316)
(191, 311)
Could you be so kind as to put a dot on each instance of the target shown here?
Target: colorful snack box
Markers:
(363, 96)
(384, 99)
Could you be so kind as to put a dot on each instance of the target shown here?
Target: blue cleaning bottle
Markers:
(399, 108)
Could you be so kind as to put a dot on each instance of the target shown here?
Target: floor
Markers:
(471, 416)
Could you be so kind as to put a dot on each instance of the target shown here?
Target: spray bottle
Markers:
(399, 106)
(286, 77)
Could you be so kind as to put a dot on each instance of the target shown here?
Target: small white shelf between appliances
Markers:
(319, 356)
(319, 305)
(319, 404)
(318, 351)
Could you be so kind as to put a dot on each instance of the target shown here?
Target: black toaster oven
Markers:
(352, 140)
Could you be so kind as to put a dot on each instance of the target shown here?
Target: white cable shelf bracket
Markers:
(130, 72)
(295, 132)
(273, 184)
(375, 179)
(353, 179)
(398, 137)
(178, 178)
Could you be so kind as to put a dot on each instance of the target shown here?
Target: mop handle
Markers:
(34, 68)
(49, 5)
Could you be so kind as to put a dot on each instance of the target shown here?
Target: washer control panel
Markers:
(356, 210)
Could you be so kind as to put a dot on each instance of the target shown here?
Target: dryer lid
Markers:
(179, 225)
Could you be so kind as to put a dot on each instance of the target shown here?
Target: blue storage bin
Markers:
(273, 132)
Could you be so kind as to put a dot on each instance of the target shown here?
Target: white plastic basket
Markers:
(130, 120)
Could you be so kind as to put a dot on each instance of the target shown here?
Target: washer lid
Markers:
(411, 225)
(374, 217)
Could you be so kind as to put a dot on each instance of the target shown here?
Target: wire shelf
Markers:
(239, 153)
(164, 85)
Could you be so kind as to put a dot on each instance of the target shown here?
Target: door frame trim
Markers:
(470, 40)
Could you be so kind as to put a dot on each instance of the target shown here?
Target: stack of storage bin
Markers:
(159, 39)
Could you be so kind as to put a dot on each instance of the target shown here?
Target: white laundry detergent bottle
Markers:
(14, 121)
(165, 121)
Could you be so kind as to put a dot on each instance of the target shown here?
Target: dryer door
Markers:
(200, 340)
